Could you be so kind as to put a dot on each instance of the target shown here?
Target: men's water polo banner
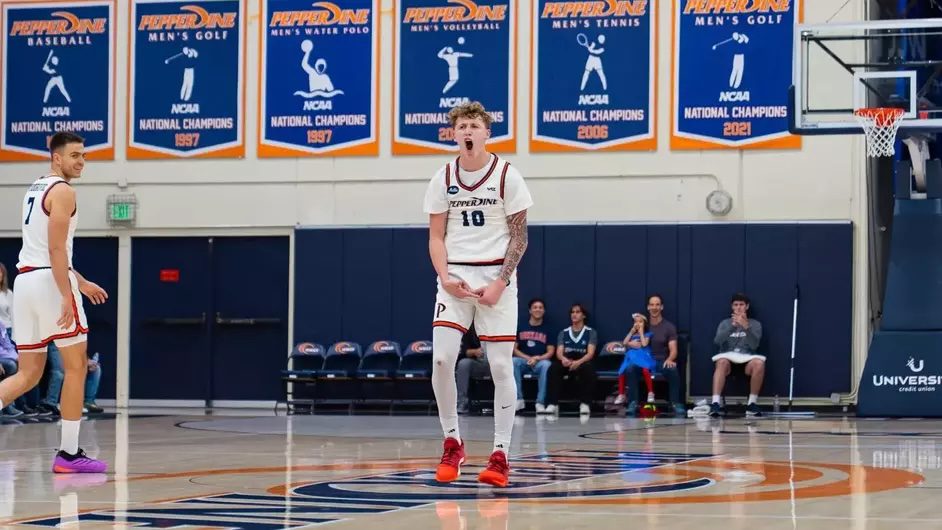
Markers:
(449, 52)
(57, 75)
(186, 79)
(319, 78)
(594, 75)
(732, 65)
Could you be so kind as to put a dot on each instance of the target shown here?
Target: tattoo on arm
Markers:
(517, 223)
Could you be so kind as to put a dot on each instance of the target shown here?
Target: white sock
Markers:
(500, 357)
(446, 344)
(716, 398)
(70, 435)
(753, 398)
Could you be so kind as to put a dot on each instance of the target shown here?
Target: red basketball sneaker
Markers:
(497, 470)
(452, 457)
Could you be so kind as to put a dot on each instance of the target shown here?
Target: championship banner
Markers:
(450, 52)
(185, 69)
(593, 77)
(57, 74)
(732, 64)
(319, 78)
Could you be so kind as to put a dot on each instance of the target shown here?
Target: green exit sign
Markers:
(122, 211)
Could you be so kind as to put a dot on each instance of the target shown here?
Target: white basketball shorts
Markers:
(36, 310)
(497, 323)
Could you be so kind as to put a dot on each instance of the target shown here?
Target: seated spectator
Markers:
(637, 356)
(532, 354)
(474, 364)
(737, 339)
(6, 303)
(49, 405)
(663, 347)
(8, 367)
(91, 385)
(575, 348)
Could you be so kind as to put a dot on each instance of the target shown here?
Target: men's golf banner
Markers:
(450, 52)
(594, 74)
(186, 87)
(319, 78)
(57, 74)
(732, 64)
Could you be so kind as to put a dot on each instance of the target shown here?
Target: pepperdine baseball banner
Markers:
(449, 52)
(57, 74)
(319, 78)
(732, 65)
(594, 74)
(186, 79)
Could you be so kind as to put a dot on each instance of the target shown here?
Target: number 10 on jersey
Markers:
(474, 217)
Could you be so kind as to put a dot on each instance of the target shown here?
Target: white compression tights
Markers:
(446, 344)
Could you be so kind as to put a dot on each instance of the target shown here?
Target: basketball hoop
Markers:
(880, 125)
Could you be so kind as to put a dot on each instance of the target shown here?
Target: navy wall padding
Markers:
(662, 268)
(718, 267)
(413, 286)
(529, 273)
(771, 277)
(318, 284)
(367, 285)
(609, 268)
(825, 314)
(568, 272)
(620, 276)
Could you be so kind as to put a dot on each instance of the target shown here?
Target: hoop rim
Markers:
(872, 112)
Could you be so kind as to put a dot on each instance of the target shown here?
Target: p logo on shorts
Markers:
(438, 309)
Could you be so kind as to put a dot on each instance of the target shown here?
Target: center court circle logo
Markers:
(320, 493)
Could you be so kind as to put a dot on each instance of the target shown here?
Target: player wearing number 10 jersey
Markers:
(477, 206)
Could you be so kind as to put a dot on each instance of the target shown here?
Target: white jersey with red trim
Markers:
(478, 203)
(35, 250)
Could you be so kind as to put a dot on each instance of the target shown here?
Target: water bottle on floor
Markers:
(775, 405)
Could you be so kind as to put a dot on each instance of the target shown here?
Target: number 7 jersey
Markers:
(35, 251)
(478, 204)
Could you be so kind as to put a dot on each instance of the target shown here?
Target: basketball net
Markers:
(880, 125)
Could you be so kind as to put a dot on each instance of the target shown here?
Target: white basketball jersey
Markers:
(478, 203)
(35, 251)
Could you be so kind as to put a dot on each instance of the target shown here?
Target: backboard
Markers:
(885, 63)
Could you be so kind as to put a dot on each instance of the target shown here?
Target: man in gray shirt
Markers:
(737, 339)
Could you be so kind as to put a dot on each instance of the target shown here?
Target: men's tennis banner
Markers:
(57, 74)
(319, 78)
(732, 66)
(450, 52)
(186, 87)
(594, 75)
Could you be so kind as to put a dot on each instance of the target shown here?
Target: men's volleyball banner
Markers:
(319, 80)
(186, 96)
(732, 69)
(593, 85)
(57, 75)
(449, 52)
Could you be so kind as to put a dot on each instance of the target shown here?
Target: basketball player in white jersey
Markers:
(48, 297)
(477, 206)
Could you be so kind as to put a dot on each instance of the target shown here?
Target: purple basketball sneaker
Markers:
(77, 463)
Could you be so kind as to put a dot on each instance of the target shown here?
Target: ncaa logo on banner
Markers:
(732, 67)
(62, 54)
(447, 53)
(186, 79)
(594, 73)
(319, 78)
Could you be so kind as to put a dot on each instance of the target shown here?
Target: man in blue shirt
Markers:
(532, 354)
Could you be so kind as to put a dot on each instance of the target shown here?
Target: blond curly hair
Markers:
(471, 110)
